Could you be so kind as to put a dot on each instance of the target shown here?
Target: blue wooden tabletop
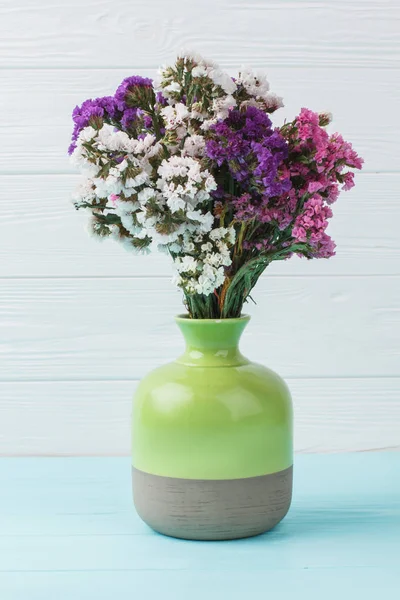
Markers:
(68, 531)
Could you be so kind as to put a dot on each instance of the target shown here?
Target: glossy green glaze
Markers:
(212, 414)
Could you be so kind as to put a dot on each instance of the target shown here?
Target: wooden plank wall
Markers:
(81, 322)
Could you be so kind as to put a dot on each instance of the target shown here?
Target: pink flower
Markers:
(299, 233)
(326, 247)
(333, 193)
(310, 226)
(348, 181)
(317, 166)
(314, 186)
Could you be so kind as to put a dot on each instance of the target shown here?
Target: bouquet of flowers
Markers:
(192, 164)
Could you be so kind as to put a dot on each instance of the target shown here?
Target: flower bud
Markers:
(325, 118)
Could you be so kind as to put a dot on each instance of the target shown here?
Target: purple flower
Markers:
(160, 99)
(147, 121)
(90, 111)
(253, 153)
(128, 92)
(128, 117)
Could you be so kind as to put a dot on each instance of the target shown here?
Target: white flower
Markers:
(231, 235)
(174, 247)
(204, 286)
(177, 280)
(222, 106)
(186, 264)
(199, 71)
(218, 233)
(145, 195)
(111, 185)
(147, 146)
(252, 102)
(194, 146)
(166, 238)
(255, 83)
(216, 259)
(128, 223)
(87, 134)
(272, 101)
(122, 166)
(172, 87)
(222, 79)
(109, 139)
(213, 259)
(190, 55)
(140, 179)
(188, 246)
(207, 247)
(182, 176)
(146, 222)
(210, 184)
(210, 251)
(205, 220)
(85, 192)
(80, 160)
(132, 181)
(123, 207)
(176, 203)
(161, 74)
(205, 126)
(219, 277)
(207, 68)
(197, 114)
(174, 115)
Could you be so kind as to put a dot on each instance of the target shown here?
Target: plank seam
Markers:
(167, 277)
(342, 378)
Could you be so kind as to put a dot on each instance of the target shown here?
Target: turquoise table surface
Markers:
(68, 531)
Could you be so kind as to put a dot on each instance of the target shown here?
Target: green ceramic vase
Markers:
(212, 439)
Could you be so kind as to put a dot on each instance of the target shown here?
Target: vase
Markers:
(212, 439)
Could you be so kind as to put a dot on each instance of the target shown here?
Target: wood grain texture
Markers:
(197, 585)
(44, 122)
(74, 341)
(93, 417)
(68, 530)
(118, 328)
(43, 236)
(287, 33)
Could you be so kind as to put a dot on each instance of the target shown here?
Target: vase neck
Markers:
(212, 342)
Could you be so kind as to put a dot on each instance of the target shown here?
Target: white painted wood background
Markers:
(81, 322)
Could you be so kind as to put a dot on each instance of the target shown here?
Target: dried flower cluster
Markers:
(192, 164)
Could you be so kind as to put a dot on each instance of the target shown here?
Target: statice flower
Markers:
(131, 91)
(202, 260)
(254, 88)
(176, 120)
(91, 112)
(317, 170)
(310, 225)
(192, 165)
(184, 183)
(129, 116)
(252, 151)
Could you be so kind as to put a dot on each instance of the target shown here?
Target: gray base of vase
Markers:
(208, 509)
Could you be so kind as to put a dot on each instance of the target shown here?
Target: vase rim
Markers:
(186, 318)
